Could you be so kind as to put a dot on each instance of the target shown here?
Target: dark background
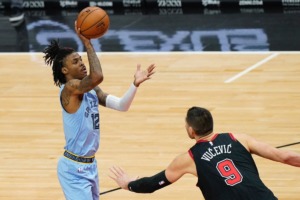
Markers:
(168, 25)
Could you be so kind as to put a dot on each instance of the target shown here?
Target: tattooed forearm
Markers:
(95, 66)
(101, 96)
(102, 99)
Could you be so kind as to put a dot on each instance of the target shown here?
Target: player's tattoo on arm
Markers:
(85, 85)
(102, 98)
(65, 99)
(93, 60)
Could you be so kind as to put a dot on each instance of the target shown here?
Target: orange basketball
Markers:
(93, 22)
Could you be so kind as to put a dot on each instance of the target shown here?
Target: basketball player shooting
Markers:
(79, 98)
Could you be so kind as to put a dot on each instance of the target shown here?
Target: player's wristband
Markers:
(149, 184)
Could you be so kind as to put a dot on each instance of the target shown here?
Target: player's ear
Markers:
(64, 70)
(191, 130)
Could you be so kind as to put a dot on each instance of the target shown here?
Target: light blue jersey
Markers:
(82, 131)
(79, 180)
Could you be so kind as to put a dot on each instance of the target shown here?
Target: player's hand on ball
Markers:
(143, 75)
(77, 30)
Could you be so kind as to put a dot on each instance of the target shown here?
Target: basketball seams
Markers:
(85, 19)
(95, 23)
(81, 14)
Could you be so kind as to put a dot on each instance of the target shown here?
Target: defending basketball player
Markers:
(222, 162)
(79, 97)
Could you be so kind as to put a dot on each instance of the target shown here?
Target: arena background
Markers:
(160, 25)
(239, 59)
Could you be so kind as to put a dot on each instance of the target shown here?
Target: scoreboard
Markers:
(150, 5)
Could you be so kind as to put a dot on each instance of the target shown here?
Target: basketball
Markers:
(93, 22)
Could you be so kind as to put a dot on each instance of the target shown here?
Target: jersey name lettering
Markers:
(217, 150)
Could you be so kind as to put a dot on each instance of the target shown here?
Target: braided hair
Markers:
(54, 56)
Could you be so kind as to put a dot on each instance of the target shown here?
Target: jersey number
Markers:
(228, 170)
(95, 120)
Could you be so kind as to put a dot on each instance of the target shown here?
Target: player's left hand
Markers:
(121, 177)
(143, 75)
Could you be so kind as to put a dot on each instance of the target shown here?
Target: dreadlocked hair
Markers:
(54, 56)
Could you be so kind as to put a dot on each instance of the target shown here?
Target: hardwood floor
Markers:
(262, 102)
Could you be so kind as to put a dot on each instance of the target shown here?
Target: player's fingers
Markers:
(75, 26)
(150, 74)
(121, 170)
(112, 170)
(138, 67)
(118, 171)
(115, 171)
(150, 68)
(112, 177)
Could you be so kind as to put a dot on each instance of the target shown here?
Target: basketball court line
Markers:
(273, 55)
(118, 188)
(119, 194)
(251, 68)
(34, 57)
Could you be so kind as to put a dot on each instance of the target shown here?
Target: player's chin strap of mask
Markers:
(149, 184)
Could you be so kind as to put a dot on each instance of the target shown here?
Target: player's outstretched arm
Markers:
(123, 103)
(94, 78)
(142, 185)
(182, 164)
(179, 166)
(267, 151)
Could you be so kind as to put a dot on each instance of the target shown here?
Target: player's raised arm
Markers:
(123, 103)
(95, 77)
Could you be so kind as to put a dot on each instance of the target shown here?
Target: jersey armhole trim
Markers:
(232, 137)
(191, 154)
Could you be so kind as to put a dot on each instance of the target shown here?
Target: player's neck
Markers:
(206, 137)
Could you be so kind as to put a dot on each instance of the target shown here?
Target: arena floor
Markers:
(243, 65)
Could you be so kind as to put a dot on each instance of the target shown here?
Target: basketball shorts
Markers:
(79, 181)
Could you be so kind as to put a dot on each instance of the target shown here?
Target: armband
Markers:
(149, 184)
(121, 104)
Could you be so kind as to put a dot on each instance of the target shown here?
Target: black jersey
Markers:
(227, 171)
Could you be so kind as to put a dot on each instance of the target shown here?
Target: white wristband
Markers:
(123, 103)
